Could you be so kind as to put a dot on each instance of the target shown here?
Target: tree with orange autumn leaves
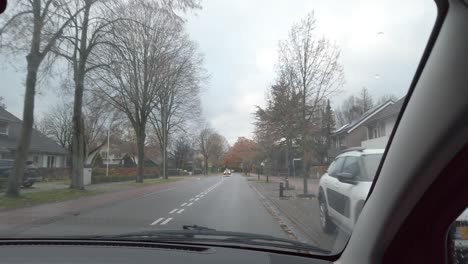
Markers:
(242, 154)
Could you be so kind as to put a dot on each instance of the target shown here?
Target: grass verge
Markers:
(34, 198)
(58, 195)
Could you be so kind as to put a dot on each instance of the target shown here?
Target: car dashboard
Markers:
(136, 252)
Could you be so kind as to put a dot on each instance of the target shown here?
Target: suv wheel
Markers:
(325, 222)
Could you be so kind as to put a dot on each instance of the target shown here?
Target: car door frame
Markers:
(331, 191)
(346, 190)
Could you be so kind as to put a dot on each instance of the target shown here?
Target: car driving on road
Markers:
(30, 173)
(344, 187)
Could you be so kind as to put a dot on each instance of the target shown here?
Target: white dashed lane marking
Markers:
(197, 197)
(157, 221)
(166, 221)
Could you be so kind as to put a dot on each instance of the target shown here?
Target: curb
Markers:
(291, 225)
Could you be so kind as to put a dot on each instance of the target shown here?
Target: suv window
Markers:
(458, 239)
(336, 166)
(351, 165)
(371, 163)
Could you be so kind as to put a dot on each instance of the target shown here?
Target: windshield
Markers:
(124, 118)
(371, 164)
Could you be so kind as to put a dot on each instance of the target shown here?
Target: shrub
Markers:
(3, 183)
(106, 179)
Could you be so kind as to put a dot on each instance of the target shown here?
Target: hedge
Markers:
(105, 179)
(125, 171)
(3, 183)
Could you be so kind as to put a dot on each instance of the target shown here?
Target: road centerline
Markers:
(166, 221)
(157, 221)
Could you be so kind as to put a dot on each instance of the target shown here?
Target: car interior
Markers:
(420, 189)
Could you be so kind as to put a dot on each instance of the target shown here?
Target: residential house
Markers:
(118, 157)
(44, 152)
(354, 133)
(380, 125)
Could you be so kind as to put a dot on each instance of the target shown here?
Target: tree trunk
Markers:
(166, 176)
(78, 148)
(206, 165)
(77, 151)
(24, 141)
(164, 140)
(141, 135)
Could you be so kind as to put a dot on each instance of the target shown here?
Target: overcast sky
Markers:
(239, 41)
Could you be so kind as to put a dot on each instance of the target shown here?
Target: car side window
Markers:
(458, 240)
(351, 165)
(336, 166)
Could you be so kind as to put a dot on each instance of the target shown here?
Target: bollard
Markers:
(287, 184)
(281, 190)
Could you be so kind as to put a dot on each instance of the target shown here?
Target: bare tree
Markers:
(2, 104)
(177, 100)
(182, 151)
(365, 100)
(350, 110)
(217, 146)
(314, 70)
(212, 146)
(387, 97)
(203, 146)
(57, 124)
(33, 27)
(137, 65)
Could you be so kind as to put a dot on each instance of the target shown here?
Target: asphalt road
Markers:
(222, 203)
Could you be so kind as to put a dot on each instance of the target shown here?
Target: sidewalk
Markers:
(301, 215)
(14, 221)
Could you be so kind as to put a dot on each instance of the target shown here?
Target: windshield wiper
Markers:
(196, 227)
(194, 233)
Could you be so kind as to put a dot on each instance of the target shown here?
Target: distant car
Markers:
(30, 173)
(344, 187)
(227, 172)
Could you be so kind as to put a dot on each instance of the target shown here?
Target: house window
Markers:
(3, 128)
(50, 161)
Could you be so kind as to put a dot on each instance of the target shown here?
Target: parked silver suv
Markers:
(344, 187)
